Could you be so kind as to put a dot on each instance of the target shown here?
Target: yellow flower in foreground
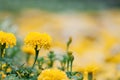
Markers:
(7, 38)
(52, 74)
(38, 39)
(28, 50)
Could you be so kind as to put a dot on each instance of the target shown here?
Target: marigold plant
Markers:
(37, 41)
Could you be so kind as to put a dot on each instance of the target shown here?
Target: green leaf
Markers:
(11, 77)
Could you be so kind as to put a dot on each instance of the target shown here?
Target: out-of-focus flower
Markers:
(9, 70)
(52, 74)
(3, 66)
(109, 40)
(114, 54)
(28, 49)
(2, 75)
(37, 39)
(7, 38)
(90, 70)
(113, 58)
(30, 61)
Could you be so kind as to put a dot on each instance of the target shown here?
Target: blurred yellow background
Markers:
(95, 34)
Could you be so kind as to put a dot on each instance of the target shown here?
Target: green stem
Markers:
(67, 65)
(51, 64)
(63, 66)
(36, 56)
(28, 57)
(67, 49)
(90, 76)
(2, 54)
(2, 47)
(71, 66)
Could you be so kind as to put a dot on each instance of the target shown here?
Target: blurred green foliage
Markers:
(57, 5)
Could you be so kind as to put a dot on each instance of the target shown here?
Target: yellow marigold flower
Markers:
(28, 49)
(45, 40)
(52, 74)
(37, 39)
(7, 38)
